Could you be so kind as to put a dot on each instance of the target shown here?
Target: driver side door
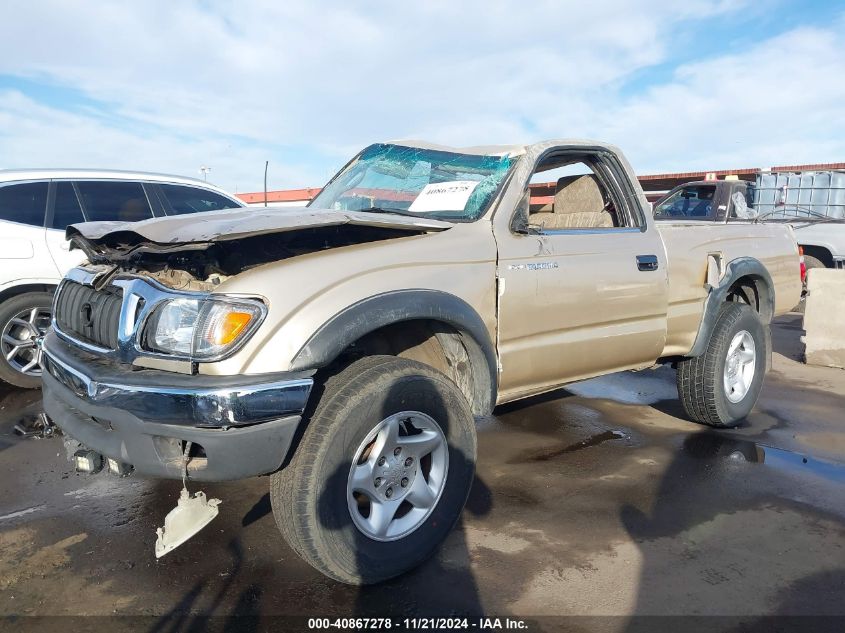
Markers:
(579, 302)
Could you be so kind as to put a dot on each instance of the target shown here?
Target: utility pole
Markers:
(204, 171)
(266, 165)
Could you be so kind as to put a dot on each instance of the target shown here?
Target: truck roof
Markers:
(506, 150)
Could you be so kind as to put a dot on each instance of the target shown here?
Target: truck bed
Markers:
(688, 245)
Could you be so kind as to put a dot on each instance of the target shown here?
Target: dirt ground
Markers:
(597, 500)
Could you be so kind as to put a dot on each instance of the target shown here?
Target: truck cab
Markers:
(705, 200)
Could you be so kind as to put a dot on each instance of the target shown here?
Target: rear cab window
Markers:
(114, 200)
(741, 203)
(182, 199)
(24, 203)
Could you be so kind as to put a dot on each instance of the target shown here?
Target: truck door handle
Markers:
(647, 262)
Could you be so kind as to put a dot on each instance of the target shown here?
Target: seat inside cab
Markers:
(579, 202)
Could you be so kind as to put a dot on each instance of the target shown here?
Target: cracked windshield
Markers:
(388, 178)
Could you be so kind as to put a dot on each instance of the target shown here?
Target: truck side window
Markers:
(688, 203)
(114, 200)
(66, 210)
(570, 196)
(24, 203)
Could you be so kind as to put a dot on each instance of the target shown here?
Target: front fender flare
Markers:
(368, 315)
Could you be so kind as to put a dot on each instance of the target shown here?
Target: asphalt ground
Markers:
(596, 507)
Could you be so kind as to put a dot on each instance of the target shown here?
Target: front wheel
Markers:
(720, 387)
(382, 471)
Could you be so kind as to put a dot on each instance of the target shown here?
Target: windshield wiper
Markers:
(409, 214)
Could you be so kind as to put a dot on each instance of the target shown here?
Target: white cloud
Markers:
(779, 102)
(35, 135)
(232, 84)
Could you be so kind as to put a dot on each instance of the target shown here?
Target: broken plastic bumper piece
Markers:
(190, 515)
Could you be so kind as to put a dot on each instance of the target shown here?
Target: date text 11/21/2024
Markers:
(419, 624)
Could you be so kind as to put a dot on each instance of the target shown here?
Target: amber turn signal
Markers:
(229, 327)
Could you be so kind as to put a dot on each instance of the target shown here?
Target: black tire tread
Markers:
(697, 377)
(340, 391)
(283, 483)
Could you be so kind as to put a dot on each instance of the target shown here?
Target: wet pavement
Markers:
(598, 500)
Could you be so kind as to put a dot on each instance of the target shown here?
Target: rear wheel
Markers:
(23, 319)
(721, 387)
(382, 471)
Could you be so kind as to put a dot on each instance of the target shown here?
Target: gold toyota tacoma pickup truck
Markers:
(346, 348)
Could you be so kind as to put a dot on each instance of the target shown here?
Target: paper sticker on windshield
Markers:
(444, 196)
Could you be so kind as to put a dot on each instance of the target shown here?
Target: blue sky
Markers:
(164, 86)
(734, 32)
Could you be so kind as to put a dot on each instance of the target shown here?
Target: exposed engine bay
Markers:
(212, 261)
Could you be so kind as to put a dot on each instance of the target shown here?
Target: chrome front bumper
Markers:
(213, 406)
(244, 424)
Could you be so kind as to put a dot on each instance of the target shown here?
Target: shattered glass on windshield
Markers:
(389, 178)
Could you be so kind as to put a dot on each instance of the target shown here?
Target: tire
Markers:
(810, 262)
(311, 496)
(701, 381)
(13, 327)
(813, 262)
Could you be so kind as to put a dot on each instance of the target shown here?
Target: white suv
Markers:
(35, 208)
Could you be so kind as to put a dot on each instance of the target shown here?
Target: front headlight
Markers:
(201, 328)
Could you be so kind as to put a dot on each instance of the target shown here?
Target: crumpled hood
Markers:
(233, 224)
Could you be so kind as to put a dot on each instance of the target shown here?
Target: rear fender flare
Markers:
(717, 295)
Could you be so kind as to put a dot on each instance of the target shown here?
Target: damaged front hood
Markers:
(234, 224)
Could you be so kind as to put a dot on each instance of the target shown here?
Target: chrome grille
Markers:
(92, 316)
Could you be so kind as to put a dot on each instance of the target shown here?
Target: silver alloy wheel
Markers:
(740, 366)
(18, 339)
(397, 476)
